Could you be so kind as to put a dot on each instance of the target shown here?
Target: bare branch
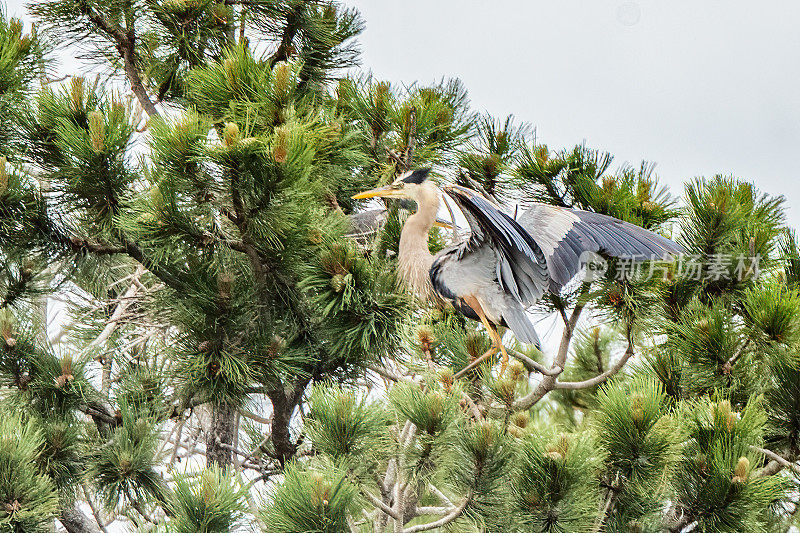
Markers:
(74, 521)
(781, 461)
(597, 380)
(95, 511)
(532, 365)
(379, 504)
(455, 513)
(548, 383)
(254, 417)
(126, 44)
(491, 351)
(111, 325)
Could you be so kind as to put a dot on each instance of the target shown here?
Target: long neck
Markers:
(414, 258)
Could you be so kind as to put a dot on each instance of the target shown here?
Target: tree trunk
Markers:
(283, 407)
(74, 521)
(221, 434)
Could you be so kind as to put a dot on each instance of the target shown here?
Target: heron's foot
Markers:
(503, 360)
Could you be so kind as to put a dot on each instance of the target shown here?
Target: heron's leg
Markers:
(497, 341)
(504, 359)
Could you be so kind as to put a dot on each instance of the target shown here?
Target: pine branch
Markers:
(93, 507)
(100, 414)
(83, 245)
(111, 325)
(464, 371)
(171, 280)
(139, 509)
(779, 463)
(254, 417)
(735, 357)
(377, 502)
(15, 290)
(613, 490)
(454, 514)
(597, 380)
(531, 365)
(126, 46)
(293, 25)
(548, 382)
(74, 521)
(283, 406)
(412, 138)
(428, 510)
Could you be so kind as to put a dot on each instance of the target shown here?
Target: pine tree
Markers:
(227, 358)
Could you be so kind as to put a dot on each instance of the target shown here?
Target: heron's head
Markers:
(409, 186)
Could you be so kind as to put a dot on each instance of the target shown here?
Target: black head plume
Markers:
(417, 176)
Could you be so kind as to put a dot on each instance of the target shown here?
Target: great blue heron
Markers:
(506, 265)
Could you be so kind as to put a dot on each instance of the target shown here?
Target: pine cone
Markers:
(230, 133)
(3, 175)
(741, 470)
(520, 419)
(97, 131)
(338, 283)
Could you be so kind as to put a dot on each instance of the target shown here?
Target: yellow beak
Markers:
(391, 192)
(443, 224)
(383, 192)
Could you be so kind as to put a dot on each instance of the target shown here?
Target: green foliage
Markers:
(482, 466)
(633, 430)
(592, 352)
(432, 411)
(495, 147)
(773, 314)
(124, 465)
(242, 86)
(62, 458)
(210, 502)
(21, 62)
(580, 178)
(362, 311)
(312, 499)
(783, 401)
(204, 270)
(345, 426)
(707, 338)
(29, 497)
(142, 388)
(715, 481)
(554, 485)
(640, 442)
(81, 138)
(730, 219)
(441, 120)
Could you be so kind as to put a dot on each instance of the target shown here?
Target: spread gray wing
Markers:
(521, 267)
(564, 234)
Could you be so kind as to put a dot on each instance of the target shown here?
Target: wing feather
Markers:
(521, 269)
(564, 234)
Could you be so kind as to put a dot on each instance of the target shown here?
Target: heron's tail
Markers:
(518, 321)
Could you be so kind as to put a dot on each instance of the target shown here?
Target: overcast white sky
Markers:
(697, 87)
